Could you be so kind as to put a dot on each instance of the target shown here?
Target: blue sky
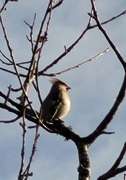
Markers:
(95, 86)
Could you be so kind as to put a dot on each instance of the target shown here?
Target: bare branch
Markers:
(28, 82)
(115, 168)
(108, 118)
(119, 159)
(67, 50)
(8, 94)
(31, 32)
(11, 54)
(10, 62)
(109, 20)
(10, 121)
(56, 3)
(34, 148)
(78, 65)
(23, 125)
(95, 16)
(38, 37)
(3, 7)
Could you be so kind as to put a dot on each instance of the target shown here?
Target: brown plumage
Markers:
(57, 103)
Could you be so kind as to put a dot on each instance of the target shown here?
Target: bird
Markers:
(57, 103)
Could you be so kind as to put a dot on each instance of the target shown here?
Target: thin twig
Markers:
(38, 58)
(96, 17)
(114, 170)
(31, 32)
(34, 148)
(23, 125)
(109, 20)
(78, 65)
(8, 94)
(10, 62)
(67, 50)
(15, 67)
(119, 159)
(57, 4)
(10, 121)
(38, 38)
(11, 53)
(3, 7)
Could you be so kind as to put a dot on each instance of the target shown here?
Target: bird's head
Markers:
(59, 84)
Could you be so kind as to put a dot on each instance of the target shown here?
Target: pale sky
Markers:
(94, 87)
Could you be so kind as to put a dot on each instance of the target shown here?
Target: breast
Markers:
(64, 107)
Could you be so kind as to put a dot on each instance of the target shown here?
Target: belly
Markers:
(63, 110)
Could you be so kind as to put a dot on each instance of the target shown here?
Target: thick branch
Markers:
(108, 118)
(84, 168)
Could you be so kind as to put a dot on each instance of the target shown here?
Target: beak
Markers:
(68, 87)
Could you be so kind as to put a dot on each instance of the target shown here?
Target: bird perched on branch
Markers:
(57, 103)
